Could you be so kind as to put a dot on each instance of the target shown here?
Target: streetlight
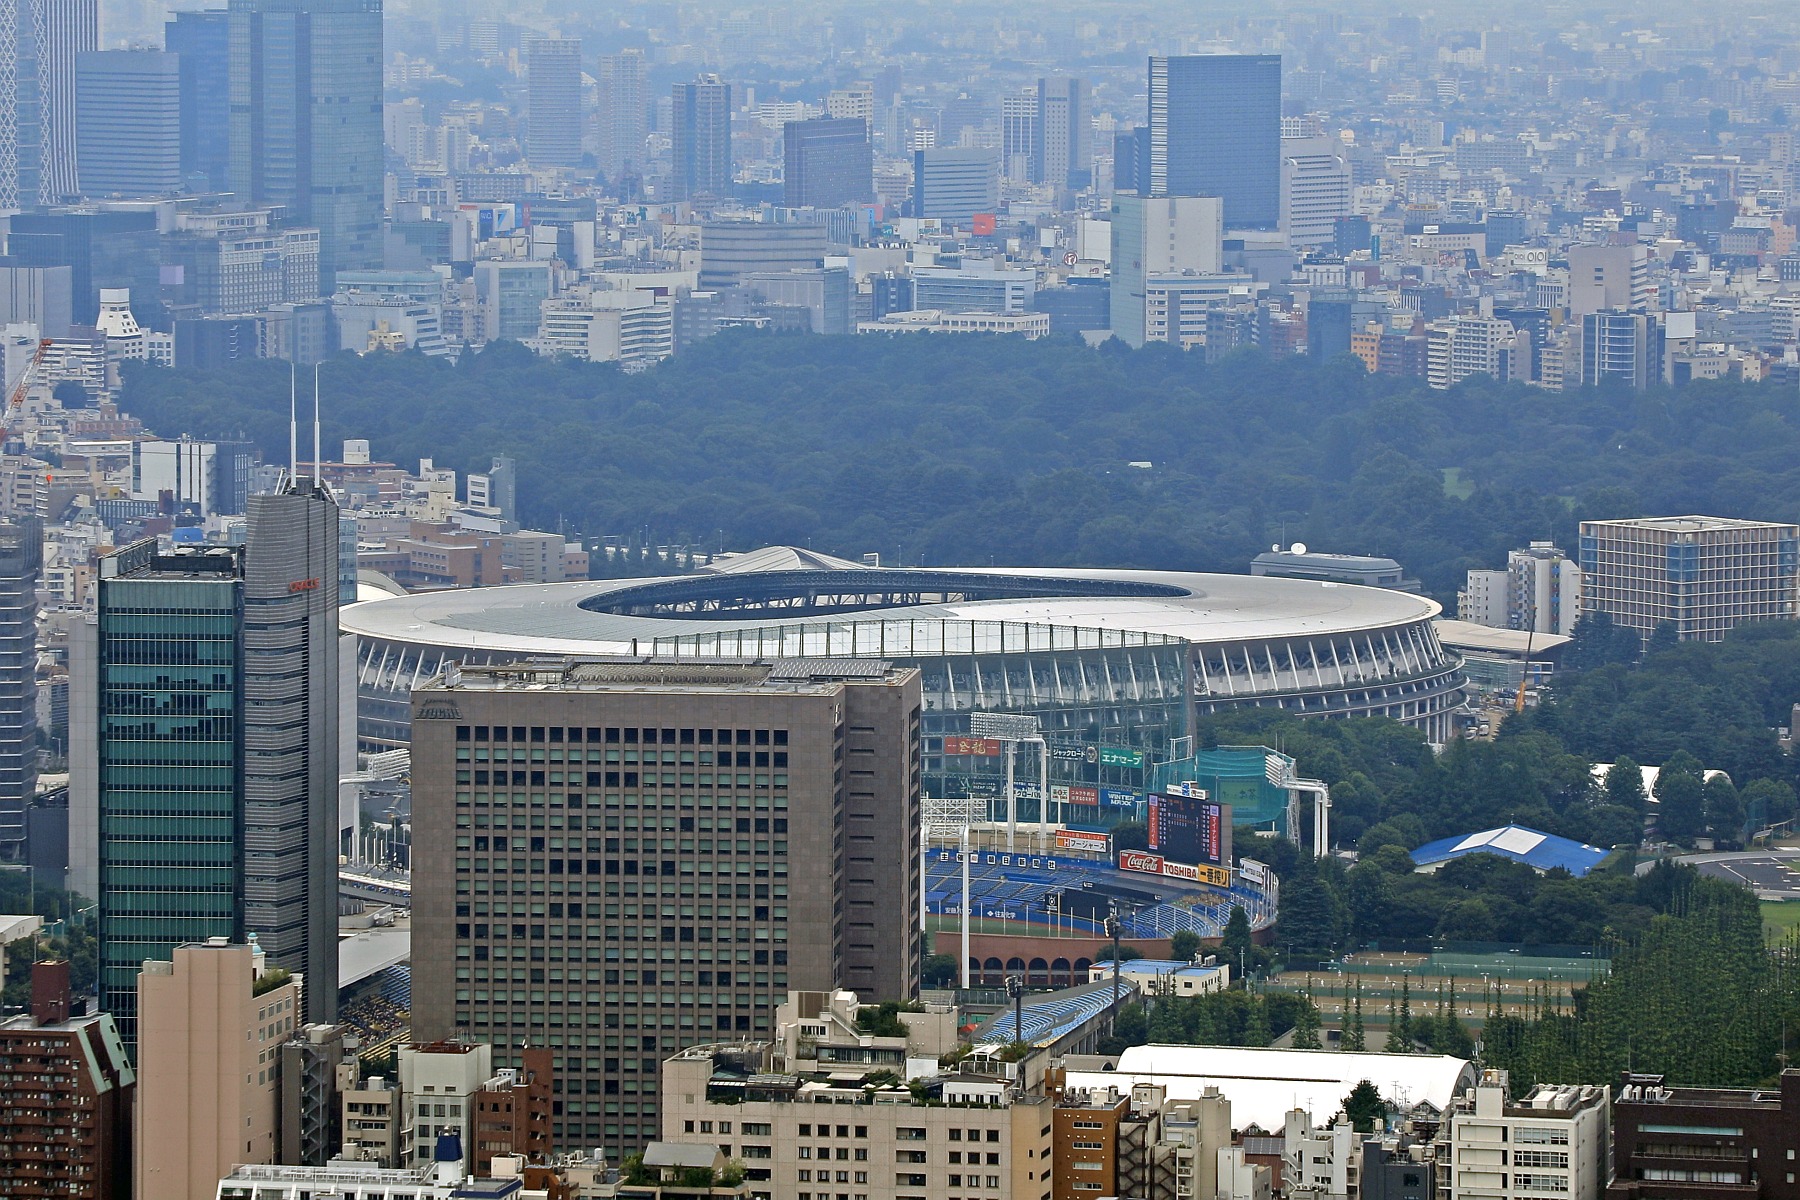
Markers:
(1015, 987)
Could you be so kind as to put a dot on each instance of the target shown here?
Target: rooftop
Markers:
(1466, 635)
(1542, 851)
(1691, 524)
(812, 677)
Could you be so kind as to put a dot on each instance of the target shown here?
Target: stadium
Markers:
(1094, 659)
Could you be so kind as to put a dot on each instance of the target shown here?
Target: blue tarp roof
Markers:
(1542, 851)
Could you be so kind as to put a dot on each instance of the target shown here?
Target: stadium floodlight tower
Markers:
(1280, 771)
(1015, 729)
(950, 816)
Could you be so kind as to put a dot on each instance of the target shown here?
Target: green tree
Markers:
(1625, 785)
(1365, 1108)
(1355, 1036)
(1184, 946)
(940, 970)
(1682, 797)
(1724, 810)
(1236, 947)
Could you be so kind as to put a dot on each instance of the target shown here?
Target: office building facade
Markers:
(827, 162)
(624, 115)
(1670, 1143)
(1621, 347)
(553, 102)
(306, 121)
(102, 249)
(202, 43)
(128, 123)
(1062, 134)
(700, 137)
(1315, 190)
(1700, 575)
(1159, 235)
(21, 570)
(1556, 1140)
(953, 184)
(68, 1094)
(643, 911)
(1215, 130)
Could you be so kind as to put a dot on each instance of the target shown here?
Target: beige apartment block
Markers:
(1699, 575)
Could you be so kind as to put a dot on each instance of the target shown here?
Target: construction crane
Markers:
(15, 400)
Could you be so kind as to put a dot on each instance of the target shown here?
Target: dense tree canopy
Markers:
(971, 449)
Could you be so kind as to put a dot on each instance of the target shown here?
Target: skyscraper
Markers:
(39, 40)
(1064, 153)
(68, 28)
(128, 122)
(1158, 235)
(202, 41)
(21, 562)
(624, 115)
(701, 135)
(1315, 190)
(954, 183)
(203, 727)
(553, 103)
(1215, 130)
(306, 109)
(827, 162)
(703, 837)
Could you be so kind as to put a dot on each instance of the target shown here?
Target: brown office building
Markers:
(512, 1115)
(619, 859)
(1678, 1143)
(66, 1094)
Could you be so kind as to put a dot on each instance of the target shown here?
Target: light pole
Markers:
(1015, 987)
(1113, 930)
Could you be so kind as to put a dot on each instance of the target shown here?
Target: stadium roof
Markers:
(1048, 1017)
(1264, 1083)
(1542, 851)
(552, 618)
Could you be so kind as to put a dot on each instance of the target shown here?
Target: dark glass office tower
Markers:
(827, 162)
(701, 138)
(21, 563)
(210, 695)
(306, 121)
(128, 122)
(1215, 130)
(202, 40)
(553, 110)
(21, 115)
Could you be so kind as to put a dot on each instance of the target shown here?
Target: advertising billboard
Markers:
(1119, 798)
(1075, 839)
(982, 747)
(1190, 830)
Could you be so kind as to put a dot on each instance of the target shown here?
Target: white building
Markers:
(1319, 1161)
(418, 325)
(438, 1082)
(1160, 235)
(931, 320)
(1557, 1141)
(1540, 590)
(1315, 190)
(634, 327)
(1469, 345)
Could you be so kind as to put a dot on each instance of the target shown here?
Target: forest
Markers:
(977, 450)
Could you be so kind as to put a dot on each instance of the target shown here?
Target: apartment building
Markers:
(1700, 575)
(1555, 1141)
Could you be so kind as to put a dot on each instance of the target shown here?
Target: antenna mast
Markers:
(318, 458)
(293, 422)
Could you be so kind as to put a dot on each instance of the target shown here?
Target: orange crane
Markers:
(15, 400)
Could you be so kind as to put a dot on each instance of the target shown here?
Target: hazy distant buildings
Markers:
(827, 162)
(1315, 190)
(955, 184)
(306, 121)
(202, 43)
(1158, 235)
(128, 122)
(1215, 130)
(553, 102)
(1621, 347)
(624, 115)
(21, 570)
(732, 250)
(39, 40)
(700, 137)
(1062, 153)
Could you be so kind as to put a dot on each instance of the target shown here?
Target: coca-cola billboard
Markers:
(1137, 860)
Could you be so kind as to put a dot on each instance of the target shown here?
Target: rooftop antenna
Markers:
(293, 422)
(318, 457)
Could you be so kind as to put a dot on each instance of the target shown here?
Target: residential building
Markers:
(827, 162)
(292, 60)
(775, 865)
(211, 1020)
(1609, 277)
(1540, 590)
(1215, 130)
(954, 183)
(1672, 1143)
(373, 1123)
(69, 1095)
(1154, 236)
(1137, 1142)
(1178, 309)
(316, 1065)
(128, 122)
(733, 250)
(700, 134)
(1062, 152)
(1556, 1140)
(1624, 347)
(553, 102)
(1315, 190)
(438, 1082)
(21, 571)
(1700, 575)
(1470, 345)
(511, 1113)
(201, 41)
(1320, 1160)
(624, 115)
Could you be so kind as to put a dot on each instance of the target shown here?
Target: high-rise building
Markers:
(67, 1093)
(553, 102)
(212, 1018)
(21, 118)
(306, 109)
(202, 42)
(1063, 154)
(1158, 235)
(1215, 130)
(1315, 190)
(1131, 161)
(21, 565)
(1621, 347)
(128, 122)
(1539, 590)
(67, 28)
(953, 184)
(1019, 136)
(827, 162)
(1609, 277)
(1700, 575)
(685, 900)
(226, 824)
(103, 250)
(700, 137)
(624, 115)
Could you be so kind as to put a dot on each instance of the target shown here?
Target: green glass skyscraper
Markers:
(306, 121)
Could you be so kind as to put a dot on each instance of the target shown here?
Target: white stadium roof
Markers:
(1263, 1084)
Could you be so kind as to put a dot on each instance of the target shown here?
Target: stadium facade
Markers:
(1107, 662)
